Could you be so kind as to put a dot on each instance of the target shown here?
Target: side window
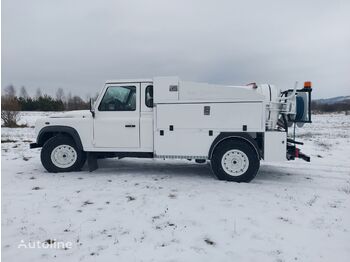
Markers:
(119, 98)
(149, 96)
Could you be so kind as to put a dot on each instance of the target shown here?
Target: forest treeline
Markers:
(22, 101)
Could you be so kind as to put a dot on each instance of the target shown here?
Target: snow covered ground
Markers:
(155, 210)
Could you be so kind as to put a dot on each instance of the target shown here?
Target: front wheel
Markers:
(235, 160)
(60, 154)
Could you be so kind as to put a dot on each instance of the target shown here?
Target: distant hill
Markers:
(334, 104)
(333, 100)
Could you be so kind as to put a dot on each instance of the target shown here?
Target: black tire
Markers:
(54, 142)
(238, 145)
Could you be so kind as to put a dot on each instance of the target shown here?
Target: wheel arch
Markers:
(224, 136)
(50, 131)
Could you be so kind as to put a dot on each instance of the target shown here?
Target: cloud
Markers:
(78, 45)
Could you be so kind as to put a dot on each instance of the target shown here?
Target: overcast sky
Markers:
(79, 44)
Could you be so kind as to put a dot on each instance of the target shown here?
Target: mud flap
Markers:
(92, 161)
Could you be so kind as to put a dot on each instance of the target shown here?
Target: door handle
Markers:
(129, 125)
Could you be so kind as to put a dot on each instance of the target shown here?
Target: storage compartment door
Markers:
(275, 146)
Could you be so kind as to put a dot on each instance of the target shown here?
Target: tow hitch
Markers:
(294, 152)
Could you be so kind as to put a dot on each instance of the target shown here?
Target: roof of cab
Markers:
(138, 80)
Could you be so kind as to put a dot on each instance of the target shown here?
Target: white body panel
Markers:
(222, 116)
(162, 94)
(146, 122)
(190, 136)
(118, 129)
(275, 146)
(184, 143)
(81, 121)
(165, 92)
(110, 130)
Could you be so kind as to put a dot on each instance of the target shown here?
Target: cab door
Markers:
(117, 117)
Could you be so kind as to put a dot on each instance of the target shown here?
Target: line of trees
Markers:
(12, 104)
(41, 102)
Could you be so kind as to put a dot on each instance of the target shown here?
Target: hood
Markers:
(73, 114)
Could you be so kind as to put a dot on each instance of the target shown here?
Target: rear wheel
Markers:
(60, 154)
(235, 160)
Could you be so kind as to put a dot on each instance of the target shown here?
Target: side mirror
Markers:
(92, 108)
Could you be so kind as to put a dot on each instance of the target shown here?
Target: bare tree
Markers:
(60, 94)
(23, 93)
(10, 91)
(95, 96)
(88, 97)
(38, 93)
(76, 103)
(69, 96)
(9, 110)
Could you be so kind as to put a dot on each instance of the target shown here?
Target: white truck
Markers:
(233, 127)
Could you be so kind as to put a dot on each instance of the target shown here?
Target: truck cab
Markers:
(233, 127)
(123, 117)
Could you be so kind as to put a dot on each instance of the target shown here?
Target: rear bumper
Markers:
(34, 145)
